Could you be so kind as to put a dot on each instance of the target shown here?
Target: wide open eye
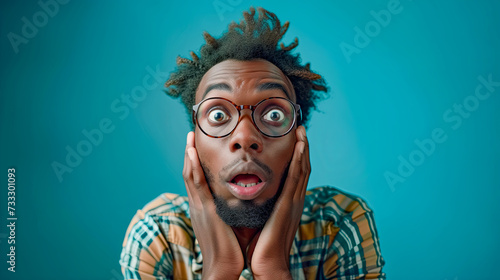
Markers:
(274, 116)
(218, 116)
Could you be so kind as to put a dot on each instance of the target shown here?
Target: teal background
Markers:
(440, 223)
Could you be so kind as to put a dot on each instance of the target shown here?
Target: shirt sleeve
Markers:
(354, 250)
(146, 254)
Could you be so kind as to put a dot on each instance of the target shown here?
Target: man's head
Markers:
(255, 37)
(246, 168)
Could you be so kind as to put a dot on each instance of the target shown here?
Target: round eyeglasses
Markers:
(217, 117)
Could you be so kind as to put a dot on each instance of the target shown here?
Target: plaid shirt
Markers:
(336, 239)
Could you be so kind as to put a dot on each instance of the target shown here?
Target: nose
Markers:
(246, 136)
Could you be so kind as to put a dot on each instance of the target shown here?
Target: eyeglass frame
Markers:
(296, 107)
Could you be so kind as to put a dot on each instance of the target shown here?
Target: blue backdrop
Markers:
(411, 124)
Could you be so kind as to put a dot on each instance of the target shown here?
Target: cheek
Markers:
(209, 151)
(280, 153)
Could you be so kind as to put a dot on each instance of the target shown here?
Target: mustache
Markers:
(237, 161)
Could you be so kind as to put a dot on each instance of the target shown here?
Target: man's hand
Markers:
(271, 255)
(222, 257)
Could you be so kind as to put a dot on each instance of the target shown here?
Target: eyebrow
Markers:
(267, 86)
(261, 87)
(220, 86)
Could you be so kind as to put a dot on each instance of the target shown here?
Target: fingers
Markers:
(187, 170)
(306, 163)
(194, 178)
(300, 168)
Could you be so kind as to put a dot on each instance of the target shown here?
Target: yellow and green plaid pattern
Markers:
(336, 239)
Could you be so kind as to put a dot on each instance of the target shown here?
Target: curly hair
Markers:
(253, 38)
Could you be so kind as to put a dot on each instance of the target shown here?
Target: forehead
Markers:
(242, 76)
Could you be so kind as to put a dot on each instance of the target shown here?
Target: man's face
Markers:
(245, 157)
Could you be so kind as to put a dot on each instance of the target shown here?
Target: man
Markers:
(246, 168)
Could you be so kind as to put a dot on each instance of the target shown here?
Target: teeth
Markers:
(246, 185)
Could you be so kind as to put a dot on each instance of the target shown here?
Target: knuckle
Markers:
(295, 177)
(185, 175)
(198, 182)
(299, 160)
(307, 169)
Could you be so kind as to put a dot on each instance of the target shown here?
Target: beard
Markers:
(247, 214)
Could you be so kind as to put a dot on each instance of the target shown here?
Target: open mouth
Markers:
(246, 180)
